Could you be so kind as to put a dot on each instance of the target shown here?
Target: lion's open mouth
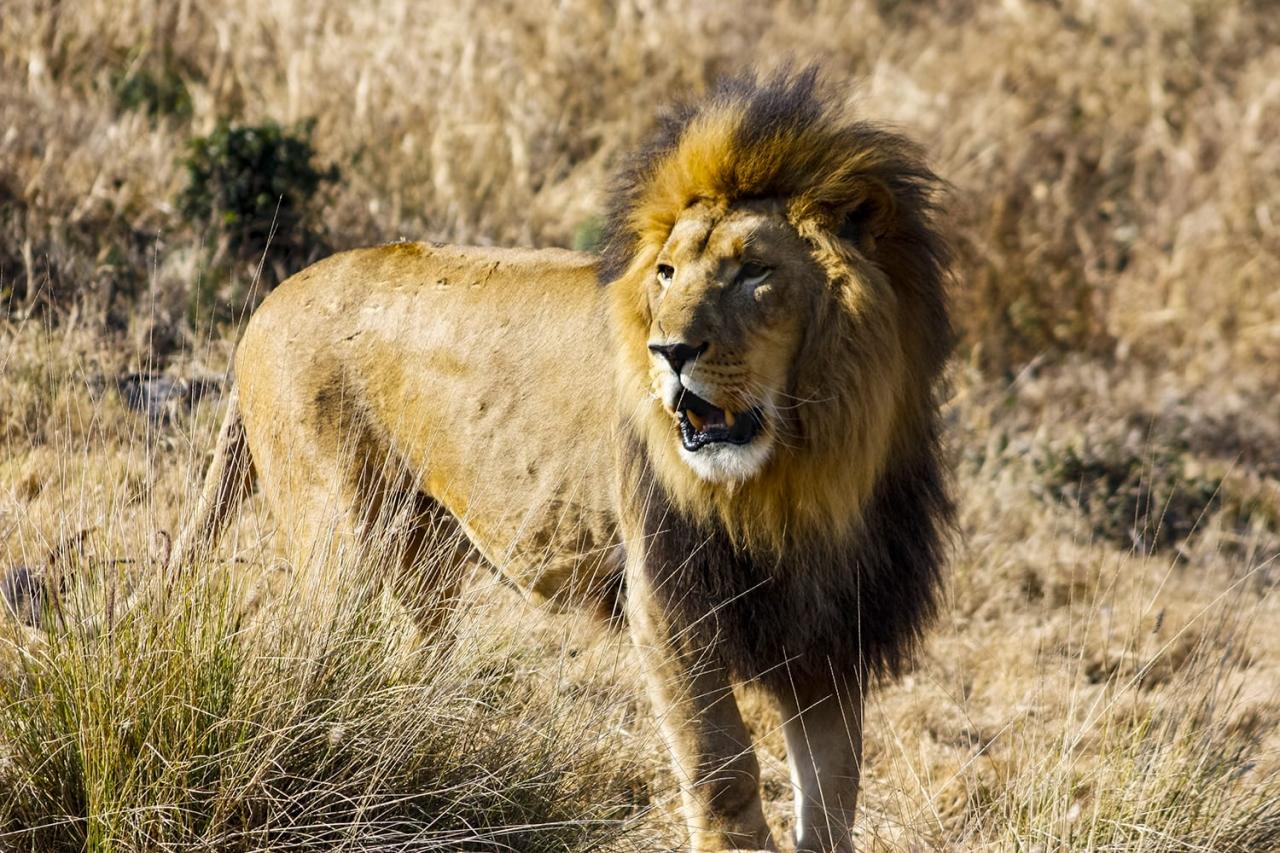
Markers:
(702, 423)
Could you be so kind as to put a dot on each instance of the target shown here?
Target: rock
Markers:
(157, 395)
(25, 593)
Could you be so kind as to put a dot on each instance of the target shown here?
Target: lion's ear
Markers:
(866, 217)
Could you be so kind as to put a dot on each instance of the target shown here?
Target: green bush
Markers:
(255, 185)
(589, 235)
(254, 193)
(1145, 503)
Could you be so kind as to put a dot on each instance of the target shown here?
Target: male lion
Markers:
(723, 430)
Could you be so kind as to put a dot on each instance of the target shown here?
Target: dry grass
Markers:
(271, 706)
(1107, 674)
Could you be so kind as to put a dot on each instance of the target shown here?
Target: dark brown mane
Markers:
(853, 609)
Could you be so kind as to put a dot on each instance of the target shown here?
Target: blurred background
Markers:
(1107, 672)
(1113, 163)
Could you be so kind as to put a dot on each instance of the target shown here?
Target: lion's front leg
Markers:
(703, 729)
(823, 732)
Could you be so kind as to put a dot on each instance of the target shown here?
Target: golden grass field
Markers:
(1106, 672)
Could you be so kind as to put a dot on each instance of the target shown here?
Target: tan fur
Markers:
(507, 397)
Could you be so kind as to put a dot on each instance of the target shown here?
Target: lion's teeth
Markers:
(728, 418)
(695, 420)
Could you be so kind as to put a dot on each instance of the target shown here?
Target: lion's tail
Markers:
(229, 480)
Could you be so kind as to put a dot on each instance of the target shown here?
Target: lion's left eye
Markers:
(751, 274)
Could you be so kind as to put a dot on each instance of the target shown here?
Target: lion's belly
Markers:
(545, 521)
(558, 558)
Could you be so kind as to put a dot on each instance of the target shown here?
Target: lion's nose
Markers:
(677, 354)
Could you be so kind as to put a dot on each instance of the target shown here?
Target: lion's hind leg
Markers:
(353, 524)
(428, 556)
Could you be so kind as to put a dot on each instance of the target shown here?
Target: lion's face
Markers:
(775, 292)
(728, 298)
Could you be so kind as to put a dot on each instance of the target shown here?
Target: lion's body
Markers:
(739, 454)
(433, 368)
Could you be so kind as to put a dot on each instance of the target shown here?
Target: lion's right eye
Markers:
(665, 274)
(752, 274)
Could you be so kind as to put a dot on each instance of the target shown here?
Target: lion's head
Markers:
(776, 284)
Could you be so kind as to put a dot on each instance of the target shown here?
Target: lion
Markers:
(722, 431)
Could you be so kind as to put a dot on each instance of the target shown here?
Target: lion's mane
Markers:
(831, 557)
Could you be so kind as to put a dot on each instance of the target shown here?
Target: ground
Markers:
(1105, 673)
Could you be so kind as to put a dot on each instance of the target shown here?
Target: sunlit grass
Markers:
(188, 722)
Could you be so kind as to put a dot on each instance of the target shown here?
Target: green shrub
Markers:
(589, 235)
(255, 194)
(255, 185)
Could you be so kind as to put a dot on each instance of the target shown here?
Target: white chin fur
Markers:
(729, 463)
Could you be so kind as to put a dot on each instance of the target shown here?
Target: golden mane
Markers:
(863, 199)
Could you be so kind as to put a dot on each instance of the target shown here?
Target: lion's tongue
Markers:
(712, 419)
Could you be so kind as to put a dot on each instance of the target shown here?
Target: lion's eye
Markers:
(665, 274)
(751, 274)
